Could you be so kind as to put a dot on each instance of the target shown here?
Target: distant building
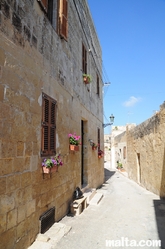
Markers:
(107, 147)
(118, 145)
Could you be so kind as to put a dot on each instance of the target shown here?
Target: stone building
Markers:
(145, 152)
(107, 147)
(118, 145)
(45, 48)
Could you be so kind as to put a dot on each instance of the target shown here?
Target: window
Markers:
(63, 18)
(98, 88)
(44, 4)
(124, 152)
(57, 13)
(84, 59)
(48, 139)
(48, 6)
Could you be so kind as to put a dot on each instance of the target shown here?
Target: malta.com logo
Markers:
(125, 242)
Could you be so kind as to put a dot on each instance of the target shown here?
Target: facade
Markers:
(117, 146)
(145, 152)
(45, 48)
(107, 147)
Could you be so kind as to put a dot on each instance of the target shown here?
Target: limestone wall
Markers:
(120, 149)
(34, 59)
(146, 153)
(118, 142)
(107, 147)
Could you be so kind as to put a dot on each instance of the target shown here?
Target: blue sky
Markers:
(132, 37)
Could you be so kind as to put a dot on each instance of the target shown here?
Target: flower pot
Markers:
(46, 170)
(100, 156)
(74, 147)
(54, 169)
(86, 80)
(94, 148)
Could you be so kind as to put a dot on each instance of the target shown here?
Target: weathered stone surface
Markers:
(34, 59)
(6, 167)
(13, 183)
(2, 57)
(7, 203)
(11, 218)
(20, 148)
(7, 240)
(145, 161)
(31, 207)
(21, 213)
(3, 223)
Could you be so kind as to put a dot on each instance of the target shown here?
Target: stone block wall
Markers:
(120, 149)
(146, 153)
(33, 60)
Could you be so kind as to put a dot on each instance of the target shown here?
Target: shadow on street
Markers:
(108, 174)
(159, 206)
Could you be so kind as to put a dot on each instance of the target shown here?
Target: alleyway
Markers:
(126, 211)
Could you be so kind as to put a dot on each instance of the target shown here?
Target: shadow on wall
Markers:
(162, 187)
(108, 174)
(159, 206)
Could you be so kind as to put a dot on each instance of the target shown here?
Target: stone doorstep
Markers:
(93, 197)
(89, 194)
(96, 199)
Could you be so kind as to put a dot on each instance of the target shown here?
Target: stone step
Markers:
(96, 199)
(89, 193)
(50, 238)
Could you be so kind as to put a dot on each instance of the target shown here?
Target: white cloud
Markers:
(131, 101)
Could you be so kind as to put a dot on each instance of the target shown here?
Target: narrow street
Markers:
(127, 212)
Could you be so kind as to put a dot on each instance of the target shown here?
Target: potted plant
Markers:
(100, 153)
(74, 142)
(119, 165)
(51, 164)
(87, 78)
(94, 146)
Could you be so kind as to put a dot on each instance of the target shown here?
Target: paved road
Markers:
(127, 212)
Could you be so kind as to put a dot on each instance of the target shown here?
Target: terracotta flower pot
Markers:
(54, 169)
(86, 80)
(94, 148)
(74, 147)
(46, 170)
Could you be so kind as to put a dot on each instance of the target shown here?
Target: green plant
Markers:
(87, 78)
(94, 145)
(51, 162)
(119, 165)
(73, 139)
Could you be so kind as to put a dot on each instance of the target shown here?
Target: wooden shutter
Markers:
(98, 138)
(48, 146)
(52, 127)
(64, 18)
(84, 59)
(44, 4)
(98, 88)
